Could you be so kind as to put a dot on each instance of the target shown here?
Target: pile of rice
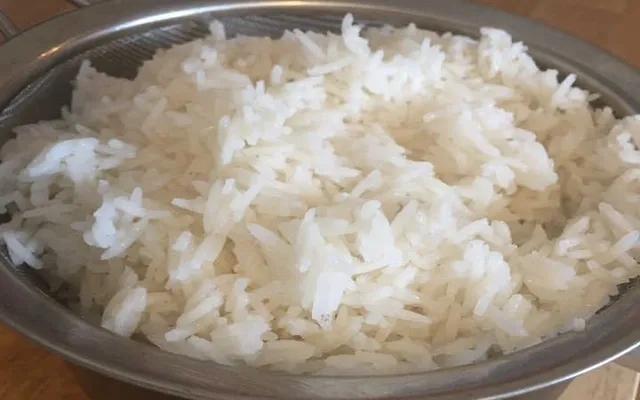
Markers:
(376, 200)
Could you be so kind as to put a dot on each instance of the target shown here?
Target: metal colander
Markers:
(36, 73)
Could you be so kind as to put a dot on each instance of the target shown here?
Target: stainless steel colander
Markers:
(36, 71)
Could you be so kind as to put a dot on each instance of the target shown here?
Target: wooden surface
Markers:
(611, 382)
(28, 372)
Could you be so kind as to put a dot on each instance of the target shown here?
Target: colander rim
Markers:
(32, 53)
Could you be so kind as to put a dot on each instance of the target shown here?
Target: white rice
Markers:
(372, 201)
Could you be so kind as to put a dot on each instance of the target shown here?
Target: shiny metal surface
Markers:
(36, 69)
(100, 387)
(80, 3)
(7, 28)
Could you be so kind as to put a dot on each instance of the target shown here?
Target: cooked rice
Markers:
(374, 200)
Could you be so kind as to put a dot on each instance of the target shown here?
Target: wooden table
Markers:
(28, 372)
